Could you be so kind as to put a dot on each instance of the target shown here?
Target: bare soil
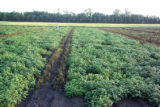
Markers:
(148, 30)
(49, 90)
(132, 103)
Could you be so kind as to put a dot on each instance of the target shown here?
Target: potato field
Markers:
(75, 66)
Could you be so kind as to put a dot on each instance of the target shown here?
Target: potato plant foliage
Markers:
(6, 30)
(105, 68)
(21, 61)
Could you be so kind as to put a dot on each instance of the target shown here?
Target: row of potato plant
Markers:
(22, 60)
(8, 30)
(105, 68)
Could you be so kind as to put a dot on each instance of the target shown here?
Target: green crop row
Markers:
(105, 68)
(5, 30)
(21, 61)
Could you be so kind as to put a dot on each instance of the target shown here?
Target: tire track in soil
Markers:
(141, 40)
(49, 90)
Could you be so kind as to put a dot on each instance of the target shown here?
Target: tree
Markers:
(89, 13)
(127, 12)
(85, 17)
(116, 12)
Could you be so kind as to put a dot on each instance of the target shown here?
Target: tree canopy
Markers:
(85, 17)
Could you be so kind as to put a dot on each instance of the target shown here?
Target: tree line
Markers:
(85, 17)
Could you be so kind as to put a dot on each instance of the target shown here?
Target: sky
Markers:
(144, 7)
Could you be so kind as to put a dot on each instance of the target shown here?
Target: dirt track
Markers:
(51, 92)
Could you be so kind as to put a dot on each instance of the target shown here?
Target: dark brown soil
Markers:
(50, 86)
(148, 30)
(132, 103)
